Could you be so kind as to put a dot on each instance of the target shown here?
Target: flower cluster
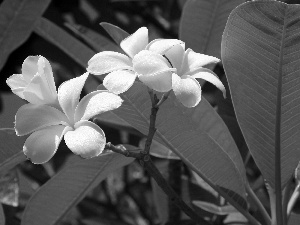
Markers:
(163, 65)
(51, 115)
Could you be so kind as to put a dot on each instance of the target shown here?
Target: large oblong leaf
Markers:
(17, 19)
(204, 144)
(202, 24)
(63, 191)
(261, 56)
(70, 45)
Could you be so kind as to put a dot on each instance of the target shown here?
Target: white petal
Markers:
(209, 76)
(161, 81)
(45, 71)
(175, 56)
(30, 67)
(69, 94)
(87, 140)
(36, 84)
(147, 63)
(119, 81)
(187, 90)
(135, 42)
(160, 46)
(17, 83)
(38, 91)
(107, 61)
(95, 103)
(41, 145)
(193, 61)
(32, 117)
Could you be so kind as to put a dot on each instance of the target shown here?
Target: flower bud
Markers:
(36, 83)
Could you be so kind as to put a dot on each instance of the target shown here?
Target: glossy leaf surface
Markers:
(261, 56)
(202, 24)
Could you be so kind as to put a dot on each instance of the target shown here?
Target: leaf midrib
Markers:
(278, 110)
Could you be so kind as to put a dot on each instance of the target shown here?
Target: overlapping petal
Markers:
(160, 81)
(45, 71)
(108, 61)
(193, 61)
(30, 67)
(30, 118)
(175, 56)
(119, 81)
(135, 42)
(160, 46)
(95, 103)
(209, 76)
(41, 145)
(187, 90)
(69, 94)
(38, 91)
(87, 140)
(17, 83)
(36, 83)
(147, 63)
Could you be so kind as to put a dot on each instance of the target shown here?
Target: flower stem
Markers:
(146, 162)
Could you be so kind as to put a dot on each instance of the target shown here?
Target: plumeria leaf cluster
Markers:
(194, 109)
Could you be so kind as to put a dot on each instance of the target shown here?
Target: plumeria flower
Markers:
(189, 67)
(36, 83)
(48, 125)
(124, 69)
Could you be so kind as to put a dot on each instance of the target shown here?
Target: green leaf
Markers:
(11, 146)
(202, 24)
(116, 33)
(63, 191)
(66, 42)
(203, 143)
(17, 19)
(97, 41)
(2, 216)
(260, 53)
(215, 209)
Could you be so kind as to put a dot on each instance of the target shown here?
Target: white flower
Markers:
(124, 69)
(48, 125)
(189, 67)
(36, 83)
